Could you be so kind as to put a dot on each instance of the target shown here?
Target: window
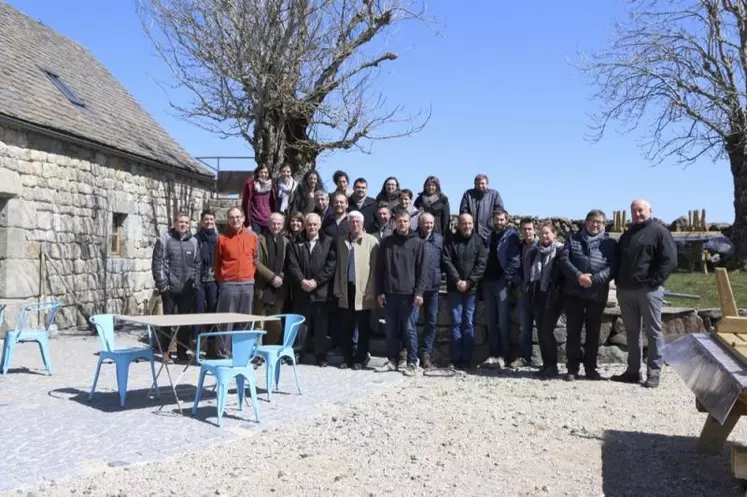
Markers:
(117, 235)
(65, 89)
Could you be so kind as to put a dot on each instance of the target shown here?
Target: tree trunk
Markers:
(738, 232)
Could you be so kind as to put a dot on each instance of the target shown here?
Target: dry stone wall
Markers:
(65, 200)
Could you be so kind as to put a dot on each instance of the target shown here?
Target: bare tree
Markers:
(292, 77)
(679, 66)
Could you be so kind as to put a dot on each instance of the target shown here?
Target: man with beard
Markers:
(335, 224)
(362, 203)
(271, 287)
(383, 224)
(464, 259)
(481, 202)
(501, 272)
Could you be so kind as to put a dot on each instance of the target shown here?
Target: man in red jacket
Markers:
(236, 258)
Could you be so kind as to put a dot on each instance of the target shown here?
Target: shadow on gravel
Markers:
(504, 373)
(638, 464)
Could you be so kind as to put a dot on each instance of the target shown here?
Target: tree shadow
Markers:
(636, 464)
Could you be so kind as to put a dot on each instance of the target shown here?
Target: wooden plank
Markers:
(733, 339)
(730, 340)
(714, 435)
(733, 325)
(739, 461)
(725, 294)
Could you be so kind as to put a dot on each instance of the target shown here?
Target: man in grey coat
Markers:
(481, 202)
(176, 270)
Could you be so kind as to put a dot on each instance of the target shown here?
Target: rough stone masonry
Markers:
(63, 202)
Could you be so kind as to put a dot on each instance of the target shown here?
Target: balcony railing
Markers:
(231, 173)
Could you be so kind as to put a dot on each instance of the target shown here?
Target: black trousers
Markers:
(350, 320)
(545, 318)
(177, 303)
(579, 313)
(317, 324)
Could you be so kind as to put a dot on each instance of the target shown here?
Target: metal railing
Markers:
(218, 164)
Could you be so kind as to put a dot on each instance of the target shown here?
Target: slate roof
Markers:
(110, 116)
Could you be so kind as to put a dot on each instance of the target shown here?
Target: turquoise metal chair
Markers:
(239, 366)
(23, 333)
(122, 358)
(272, 354)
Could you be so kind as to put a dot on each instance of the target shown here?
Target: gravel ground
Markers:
(474, 435)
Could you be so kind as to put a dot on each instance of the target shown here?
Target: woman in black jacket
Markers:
(544, 290)
(433, 201)
(302, 199)
(389, 193)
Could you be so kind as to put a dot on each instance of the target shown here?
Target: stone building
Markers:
(87, 178)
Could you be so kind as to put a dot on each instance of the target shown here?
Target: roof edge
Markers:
(79, 140)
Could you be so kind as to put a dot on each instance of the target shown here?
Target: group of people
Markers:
(344, 260)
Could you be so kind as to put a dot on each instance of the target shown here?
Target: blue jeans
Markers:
(401, 326)
(463, 332)
(498, 317)
(430, 304)
(526, 325)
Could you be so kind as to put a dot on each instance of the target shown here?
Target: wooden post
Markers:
(703, 219)
(725, 293)
(41, 280)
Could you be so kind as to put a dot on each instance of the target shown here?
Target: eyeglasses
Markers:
(596, 223)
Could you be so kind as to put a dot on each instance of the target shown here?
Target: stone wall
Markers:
(675, 321)
(62, 199)
(566, 226)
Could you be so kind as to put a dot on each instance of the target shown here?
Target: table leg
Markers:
(164, 365)
(714, 435)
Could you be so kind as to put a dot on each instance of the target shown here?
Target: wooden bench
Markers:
(731, 331)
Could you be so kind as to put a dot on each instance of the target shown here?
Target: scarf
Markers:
(429, 200)
(358, 203)
(592, 241)
(262, 186)
(208, 239)
(541, 269)
(283, 191)
(275, 260)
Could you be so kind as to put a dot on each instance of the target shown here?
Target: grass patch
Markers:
(705, 286)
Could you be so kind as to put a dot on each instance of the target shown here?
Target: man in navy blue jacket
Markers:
(503, 270)
(588, 261)
(434, 245)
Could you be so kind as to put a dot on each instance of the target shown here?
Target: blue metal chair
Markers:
(23, 333)
(121, 358)
(239, 366)
(272, 354)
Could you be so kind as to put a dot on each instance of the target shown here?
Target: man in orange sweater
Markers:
(236, 260)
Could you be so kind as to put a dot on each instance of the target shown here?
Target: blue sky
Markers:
(504, 100)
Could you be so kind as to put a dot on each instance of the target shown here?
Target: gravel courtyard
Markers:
(474, 435)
